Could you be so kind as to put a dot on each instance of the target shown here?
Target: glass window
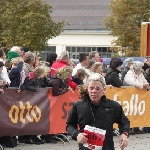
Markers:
(88, 49)
(104, 55)
(68, 49)
(99, 49)
(83, 49)
(78, 49)
(73, 49)
(93, 48)
(104, 49)
(109, 55)
(109, 50)
(74, 56)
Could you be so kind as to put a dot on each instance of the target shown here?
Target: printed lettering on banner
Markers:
(95, 137)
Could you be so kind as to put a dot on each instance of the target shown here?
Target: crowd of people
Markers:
(22, 69)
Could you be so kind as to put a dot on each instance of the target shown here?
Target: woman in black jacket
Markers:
(95, 110)
(35, 80)
(59, 81)
(113, 76)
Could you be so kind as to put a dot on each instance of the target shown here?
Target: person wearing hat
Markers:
(12, 54)
(128, 62)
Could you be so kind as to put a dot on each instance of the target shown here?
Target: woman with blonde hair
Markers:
(35, 80)
(98, 67)
(95, 112)
(59, 81)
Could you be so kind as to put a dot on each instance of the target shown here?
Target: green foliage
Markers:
(124, 22)
(27, 23)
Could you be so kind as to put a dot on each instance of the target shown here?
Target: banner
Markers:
(24, 113)
(145, 39)
(30, 113)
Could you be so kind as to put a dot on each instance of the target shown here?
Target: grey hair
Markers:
(64, 55)
(97, 77)
(129, 61)
(136, 66)
(14, 48)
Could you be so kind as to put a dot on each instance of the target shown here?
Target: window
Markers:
(104, 49)
(88, 49)
(93, 48)
(99, 49)
(48, 49)
(68, 49)
(73, 49)
(104, 52)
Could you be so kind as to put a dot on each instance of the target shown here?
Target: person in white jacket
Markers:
(135, 77)
(4, 75)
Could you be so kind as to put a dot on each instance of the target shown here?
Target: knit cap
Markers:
(12, 54)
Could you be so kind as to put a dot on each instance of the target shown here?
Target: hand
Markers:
(110, 86)
(81, 138)
(6, 85)
(1, 82)
(145, 85)
(69, 88)
(123, 141)
(18, 91)
(1, 91)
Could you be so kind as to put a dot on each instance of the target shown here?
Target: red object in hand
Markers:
(95, 138)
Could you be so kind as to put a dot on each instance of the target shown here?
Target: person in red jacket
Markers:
(62, 62)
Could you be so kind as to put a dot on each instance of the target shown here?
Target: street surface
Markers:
(136, 142)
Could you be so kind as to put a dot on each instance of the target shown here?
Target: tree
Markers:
(27, 23)
(124, 22)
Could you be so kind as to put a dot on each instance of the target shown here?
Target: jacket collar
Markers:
(61, 61)
(104, 100)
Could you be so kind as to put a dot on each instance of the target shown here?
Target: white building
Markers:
(85, 30)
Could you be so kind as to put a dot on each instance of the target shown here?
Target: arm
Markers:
(124, 125)
(72, 84)
(116, 80)
(72, 122)
(123, 73)
(121, 119)
(132, 80)
(4, 75)
(31, 85)
(26, 71)
(16, 71)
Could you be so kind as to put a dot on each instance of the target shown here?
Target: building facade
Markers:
(85, 30)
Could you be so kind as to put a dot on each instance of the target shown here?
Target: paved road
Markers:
(136, 142)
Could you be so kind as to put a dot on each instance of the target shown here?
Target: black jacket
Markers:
(112, 77)
(34, 84)
(59, 87)
(14, 75)
(77, 80)
(108, 113)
